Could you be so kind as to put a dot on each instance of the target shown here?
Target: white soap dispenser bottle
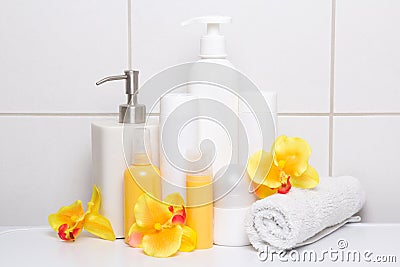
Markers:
(111, 148)
(212, 50)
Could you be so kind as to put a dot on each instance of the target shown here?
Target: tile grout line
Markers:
(332, 87)
(129, 34)
(300, 114)
(50, 114)
(283, 114)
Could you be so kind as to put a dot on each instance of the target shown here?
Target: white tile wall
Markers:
(313, 129)
(367, 62)
(45, 164)
(282, 45)
(368, 148)
(52, 52)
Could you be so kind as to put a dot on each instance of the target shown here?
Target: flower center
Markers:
(158, 226)
(283, 177)
(281, 164)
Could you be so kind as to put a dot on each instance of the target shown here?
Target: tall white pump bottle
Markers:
(112, 147)
(212, 49)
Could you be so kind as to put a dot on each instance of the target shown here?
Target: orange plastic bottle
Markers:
(199, 196)
(140, 177)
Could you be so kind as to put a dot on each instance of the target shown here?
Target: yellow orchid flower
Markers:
(160, 227)
(69, 221)
(286, 165)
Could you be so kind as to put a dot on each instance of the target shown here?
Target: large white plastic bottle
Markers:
(212, 49)
(173, 178)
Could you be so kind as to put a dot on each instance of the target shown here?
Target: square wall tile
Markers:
(367, 56)
(53, 52)
(368, 148)
(315, 130)
(45, 164)
(282, 45)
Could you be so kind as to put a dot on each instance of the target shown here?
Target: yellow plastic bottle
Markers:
(140, 177)
(199, 196)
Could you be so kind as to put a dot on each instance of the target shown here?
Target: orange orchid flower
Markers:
(160, 227)
(284, 167)
(69, 221)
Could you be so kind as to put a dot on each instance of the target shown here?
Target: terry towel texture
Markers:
(284, 221)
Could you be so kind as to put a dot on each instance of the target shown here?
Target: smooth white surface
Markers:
(52, 53)
(44, 248)
(255, 138)
(229, 226)
(368, 148)
(173, 178)
(218, 132)
(313, 129)
(367, 56)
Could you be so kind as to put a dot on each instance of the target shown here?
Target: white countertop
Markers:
(41, 247)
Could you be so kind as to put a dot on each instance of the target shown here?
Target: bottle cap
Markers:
(233, 184)
(212, 44)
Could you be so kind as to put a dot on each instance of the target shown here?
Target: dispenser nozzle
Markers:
(112, 78)
(131, 112)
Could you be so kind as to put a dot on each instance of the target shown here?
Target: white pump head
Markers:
(212, 45)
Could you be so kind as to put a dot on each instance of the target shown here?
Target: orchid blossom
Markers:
(69, 221)
(160, 226)
(284, 167)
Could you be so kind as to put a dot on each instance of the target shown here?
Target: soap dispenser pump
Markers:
(131, 112)
(112, 148)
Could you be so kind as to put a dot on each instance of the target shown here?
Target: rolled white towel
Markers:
(285, 221)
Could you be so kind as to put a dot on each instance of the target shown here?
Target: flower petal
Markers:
(174, 199)
(67, 215)
(135, 235)
(94, 203)
(263, 191)
(69, 234)
(149, 211)
(262, 171)
(99, 226)
(62, 232)
(293, 153)
(163, 243)
(309, 179)
(189, 239)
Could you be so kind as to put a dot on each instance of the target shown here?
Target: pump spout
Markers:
(131, 112)
(112, 78)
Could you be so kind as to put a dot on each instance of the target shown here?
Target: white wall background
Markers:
(334, 64)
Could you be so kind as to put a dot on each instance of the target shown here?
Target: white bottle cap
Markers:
(212, 45)
(229, 228)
